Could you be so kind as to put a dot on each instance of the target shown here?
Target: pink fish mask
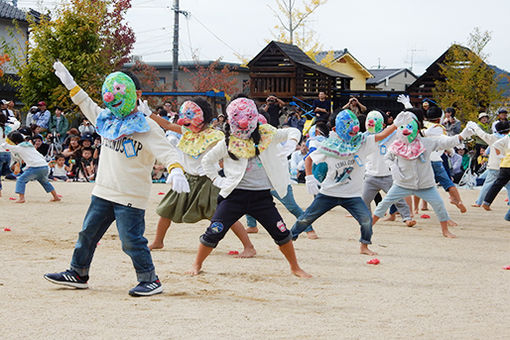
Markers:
(191, 116)
(243, 116)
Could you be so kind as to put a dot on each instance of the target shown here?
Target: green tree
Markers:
(89, 36)
(469, 84)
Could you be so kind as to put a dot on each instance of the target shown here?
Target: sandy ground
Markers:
(425, 287)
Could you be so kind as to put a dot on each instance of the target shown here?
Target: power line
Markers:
(217, 37)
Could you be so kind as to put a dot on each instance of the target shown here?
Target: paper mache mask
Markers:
(408, 133)
(191, 116)
(243, 116)
(119, 94)
(347, 125)
(374, 122)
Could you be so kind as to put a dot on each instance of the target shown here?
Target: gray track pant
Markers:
(373, 184)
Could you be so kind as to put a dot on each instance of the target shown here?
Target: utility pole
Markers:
(175, 63)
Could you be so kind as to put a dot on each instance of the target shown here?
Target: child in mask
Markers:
(252, 165)
(377, 173)
(200, 203)
(345, 153)
(130, 146)
(412, 174)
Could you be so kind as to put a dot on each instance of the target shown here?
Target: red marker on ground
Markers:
(425, 216)
(506, 268)
(374, 261)
(12, 198)
(233, 252)
(7, 229)
(161, 193)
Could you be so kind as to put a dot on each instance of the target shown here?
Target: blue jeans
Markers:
(289, 202)
(5, 161)
(131, 226)
(430, 195)
(39, 173)
(322, 204)
(490, 178)
(441, 176)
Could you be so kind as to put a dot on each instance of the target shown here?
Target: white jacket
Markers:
(417, 173)
(124, 180)
(490, 139)
(277, 171)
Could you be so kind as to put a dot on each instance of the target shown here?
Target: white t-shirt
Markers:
(376, 164)
(435, 130)
(345, 175)
(59, 171)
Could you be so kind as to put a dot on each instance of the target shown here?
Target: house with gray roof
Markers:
(391, 79)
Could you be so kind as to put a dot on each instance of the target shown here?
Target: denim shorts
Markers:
(441, 176)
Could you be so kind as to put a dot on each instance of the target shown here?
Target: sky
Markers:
(385, 33)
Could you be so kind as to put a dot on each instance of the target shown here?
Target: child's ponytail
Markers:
(227, 139)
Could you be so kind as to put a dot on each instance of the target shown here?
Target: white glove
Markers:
(63, 74)
(144, 108)
(466, 133)
(473, 126)
(312, 184)
(222, 182)
(403, 99)
(288, 148)
(403, 118)
(178, 181)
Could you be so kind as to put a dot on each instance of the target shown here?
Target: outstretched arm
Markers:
(165, 124)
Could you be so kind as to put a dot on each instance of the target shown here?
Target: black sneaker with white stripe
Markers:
(147, 288)
(68, 278)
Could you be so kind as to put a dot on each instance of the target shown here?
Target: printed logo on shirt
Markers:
(216, 227)
(344, 176)
(280, 225)
(118, 145)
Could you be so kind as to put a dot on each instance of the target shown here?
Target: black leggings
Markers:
(258, 204)
(501, 181)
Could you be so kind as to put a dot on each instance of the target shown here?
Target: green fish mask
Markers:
(407, 133)
(374, 122)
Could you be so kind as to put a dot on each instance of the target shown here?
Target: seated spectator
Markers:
(30, 115)
(40, 146)
(86, 166)
(97, 148)
(481, 161)
(457, 171)
(58, 125)
(159, 173)
(59, 169)
(74, 148)
(86, 128)
(42, 118)
(295, 120)
(451, 124)
(11, 108)
(86, 141)
(5, 110)
(297, 164)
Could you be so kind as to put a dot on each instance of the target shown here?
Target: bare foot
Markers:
(486, 207)
(55, 199)
(452, 223)
(363, 249)
(424, 209)
(247, 253)
(195, 270)
(459, 205)
(156, 245)
(348, 215)
(448, 234)
(410, 223)
(474, 205)
(391, 217)
(301, 273)
(252, 230)
(312, 235)
(20, 201)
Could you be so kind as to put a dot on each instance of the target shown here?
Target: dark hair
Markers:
(451, 111)
(88, 149)
(58, 108)
(206, 109)
(362, 118)
(323, 129)
(16, 137)
(434, 112)
(239, 95)
(60, 156)
(134, 79)
(503, 126)
(37, 137)
(255, 136)
(25, 130)
(3, 120)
